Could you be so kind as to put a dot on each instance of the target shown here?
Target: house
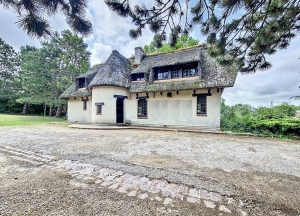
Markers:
(181, 88)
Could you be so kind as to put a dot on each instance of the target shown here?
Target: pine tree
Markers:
(241, 32)
(9, 77)
(32, 15)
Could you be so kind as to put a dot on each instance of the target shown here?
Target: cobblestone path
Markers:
(125, 183)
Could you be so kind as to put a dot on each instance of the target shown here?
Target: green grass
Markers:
(19, 120)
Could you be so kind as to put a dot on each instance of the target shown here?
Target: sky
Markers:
(110, 32)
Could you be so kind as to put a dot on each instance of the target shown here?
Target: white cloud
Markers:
(111, 33)
(100, 53)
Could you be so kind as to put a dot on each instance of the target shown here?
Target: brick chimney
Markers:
(139, 53)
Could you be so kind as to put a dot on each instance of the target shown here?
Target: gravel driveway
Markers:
(255, 176)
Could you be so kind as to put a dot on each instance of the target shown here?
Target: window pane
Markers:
(185, 73)
(84, 105)
(174, 74)
(190, 72)
(138, 77)
(81, 83)
(142, 108)
(99, 109)
(163, 75)
(159, 76)
(193, 72)
(201, 105)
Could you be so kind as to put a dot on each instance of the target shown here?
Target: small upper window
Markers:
(163, 75)
(81, 83)
(138, 77)
(189, 72)
(175, 74)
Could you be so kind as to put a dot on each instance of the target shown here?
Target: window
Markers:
(142, 108)
(99, 109)
(163, 75)
(175, 74)
(189, 72)
(84, 104)
(201, 105)
(138, 77)
(81, 83)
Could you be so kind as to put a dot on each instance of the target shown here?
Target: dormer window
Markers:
(138, 77)
(163, 74)
(81, 83)
(189, 72)
(175, 72)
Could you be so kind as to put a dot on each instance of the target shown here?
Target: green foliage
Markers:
(38, 76)
(35, 77)
(9, 68)
(183, 41)
(268, 121)
(237, 31)
(31, 15)
(283, 126)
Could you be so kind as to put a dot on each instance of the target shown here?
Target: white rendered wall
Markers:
(178, 110)
(76, 112)
(105, 94)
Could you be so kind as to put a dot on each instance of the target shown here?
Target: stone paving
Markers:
(125, 183)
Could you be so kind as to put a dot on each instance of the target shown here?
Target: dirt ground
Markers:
(254, 176)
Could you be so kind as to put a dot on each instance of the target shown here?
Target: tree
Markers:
(9, 79)
(241, 32)
(35, 77)
(183, 41)
(32, 15)
(48, 71)
(68, 55)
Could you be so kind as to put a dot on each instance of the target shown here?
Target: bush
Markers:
(285, 126)
(268, 121)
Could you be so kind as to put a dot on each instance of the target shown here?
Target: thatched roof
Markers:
(212, 74)
(72, 92)
(168, 59)
(115, 72)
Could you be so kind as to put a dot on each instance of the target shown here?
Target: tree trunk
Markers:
(58, 112)
(50, 110)
(24, 108)
(45, 110)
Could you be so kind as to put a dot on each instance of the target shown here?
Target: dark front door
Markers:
(120, 110)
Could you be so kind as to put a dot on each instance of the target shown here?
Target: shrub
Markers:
(268, 121)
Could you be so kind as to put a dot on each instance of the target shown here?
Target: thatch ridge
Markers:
(114, 72)
(168, 59)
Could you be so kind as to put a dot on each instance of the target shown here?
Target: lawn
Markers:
(17, 120)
